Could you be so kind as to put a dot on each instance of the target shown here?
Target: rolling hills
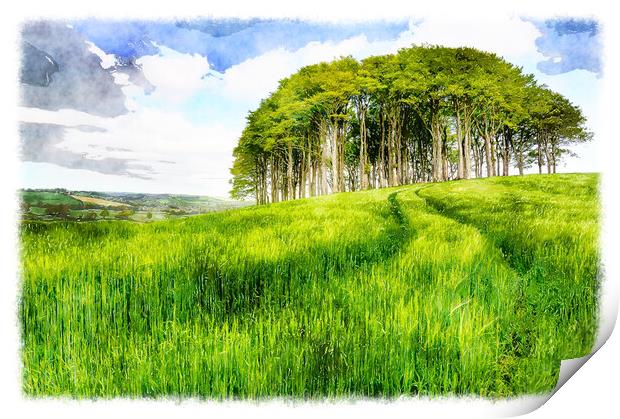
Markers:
(63, 205)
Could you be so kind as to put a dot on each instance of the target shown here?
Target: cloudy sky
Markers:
(157, 106)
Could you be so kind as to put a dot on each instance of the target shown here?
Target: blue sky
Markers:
(157, 106)
(570, 44)
(225, 42)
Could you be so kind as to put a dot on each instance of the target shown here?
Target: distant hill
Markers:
(62, 204)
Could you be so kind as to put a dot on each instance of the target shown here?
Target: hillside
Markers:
(465, 287)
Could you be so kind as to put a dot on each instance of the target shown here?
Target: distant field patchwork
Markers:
(62, 205)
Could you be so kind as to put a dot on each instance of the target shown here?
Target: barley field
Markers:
(475, 287)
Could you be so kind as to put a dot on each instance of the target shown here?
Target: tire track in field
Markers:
(520, 347)
(441, 210)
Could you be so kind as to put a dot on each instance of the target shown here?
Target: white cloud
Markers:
(510, 37)
(175, 75)
(69, 117)
(184, 156)
(154, 135)
(107, 60)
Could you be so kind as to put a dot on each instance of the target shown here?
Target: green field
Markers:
(38, 198)
(475, 287)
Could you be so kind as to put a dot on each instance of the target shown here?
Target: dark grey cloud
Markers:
(38, 67)
(39, 143)
(76, 78)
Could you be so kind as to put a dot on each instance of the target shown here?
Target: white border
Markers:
(592, 390)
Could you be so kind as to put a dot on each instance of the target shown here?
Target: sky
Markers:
(158, 106)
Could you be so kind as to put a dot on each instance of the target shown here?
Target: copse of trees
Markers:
(426, 113)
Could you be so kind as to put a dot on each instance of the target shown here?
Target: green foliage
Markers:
(477, 287)
(124, 214)
(58, 210)
(89, 216)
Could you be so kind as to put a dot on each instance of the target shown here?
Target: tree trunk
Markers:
(476, 161)
(506, 153)
(340, 137)
(274, 180)
(547, 157)
(459, 145)
(303, 173)
(390, 149)
(364, 175)
(539, 156)
(324, 160)
(339, 166)
(489, 155)
(311, 170)
(438, 173)
(398, 149)
(290, 192)
(445, 171)
(334, 148)
(497, 156)
(553, 157)
(382, 179)
(467, 147)
(373, 176)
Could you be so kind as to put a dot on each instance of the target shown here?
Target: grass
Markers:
(471, 287)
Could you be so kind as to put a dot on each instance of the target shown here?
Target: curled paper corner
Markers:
(525, 405)
(569, 367)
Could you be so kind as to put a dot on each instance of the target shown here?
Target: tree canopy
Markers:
(426, 113)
